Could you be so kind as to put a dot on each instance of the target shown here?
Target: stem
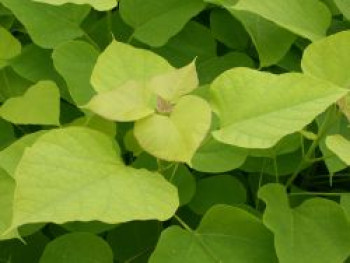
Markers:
(311, 150)
(173, 173)
(92, 42)
(183, 224)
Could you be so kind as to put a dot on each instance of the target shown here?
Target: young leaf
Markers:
(129, 102)
(175, 84)
(100, 5)
(225, 234)
(121, 63)
(155, 23)
(77, 248)
(52, 25)
(75, 61)
(249, 121)
(89, 185)
(340, 146)
(39, 105)
(177, 137)
(315, 232)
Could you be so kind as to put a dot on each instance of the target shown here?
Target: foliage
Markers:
(174, 131)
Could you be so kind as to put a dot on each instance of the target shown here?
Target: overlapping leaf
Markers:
(315, 232)
(86, 185)
(167, 18)
(225, 234)
(257, 109)
(101, 5)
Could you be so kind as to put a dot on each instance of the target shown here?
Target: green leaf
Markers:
(329, 59)
(97, 187)
(11, 84)
(344, 7)
(217, 189)
(194, 42)
(97, 123)
(35, 64)
(75, 61)
(216, 157)
(309, 19)
(228, 30)
(226, 234)
(340, 146)
(10, 47)
(52, 25)
(77, 247)
(7, 188)
(121, 63)
(182, 132)
(175, 84)
(248, 121)
(315, 232)
(94, 227)
(129, 102)
(156, 22)
(7, 134)
(100, 5)
(211, 68)
(271, 41)
(134, 241)
(184, 180)
(39, 105)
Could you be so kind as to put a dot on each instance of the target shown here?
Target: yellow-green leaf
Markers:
(39, 105)
(257, 109)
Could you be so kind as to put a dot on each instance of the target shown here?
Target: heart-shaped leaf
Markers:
(225, 234)
(329, 59)
(173, 85)
(53, 25)
(315, 232)
(88, 183)
(129, 102)
(121, 63)
(257, 109)
(77, 247)
(39, 105)
(177, 137)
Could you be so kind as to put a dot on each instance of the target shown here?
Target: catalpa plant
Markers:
(174, 131)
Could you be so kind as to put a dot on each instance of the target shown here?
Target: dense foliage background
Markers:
(174, 131)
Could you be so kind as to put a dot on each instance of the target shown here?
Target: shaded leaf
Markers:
(316, 231)
(77, 247)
